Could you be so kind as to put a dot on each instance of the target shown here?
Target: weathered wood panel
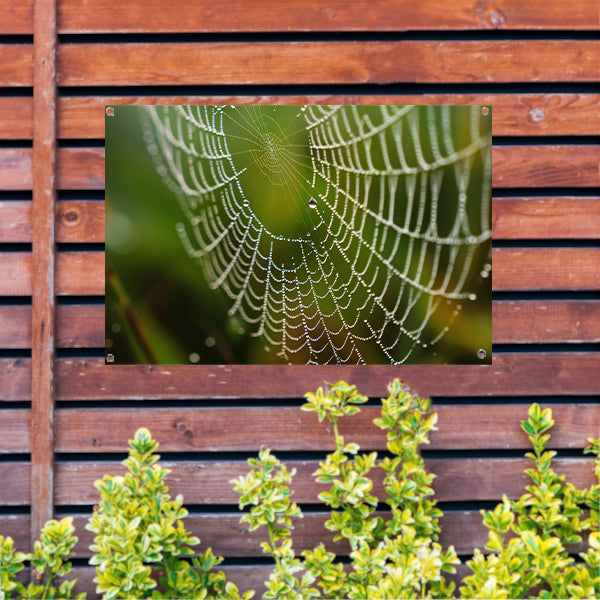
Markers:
(539, 321)
(16, 65)
(334, 15)
(564, 165)
(522, 321)
(82, 273)
(77, 16)
(290, 429)
(273, 63)
(512, 218)
(15, 168)
(15, 426)
(545, 218)
(514, 114)
(513, 166)
(76, 221)
(227, 537)
(534, 374)
(459, 479)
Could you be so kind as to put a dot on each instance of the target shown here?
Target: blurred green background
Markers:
(159, 308)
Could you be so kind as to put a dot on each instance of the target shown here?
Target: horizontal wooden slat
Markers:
(334, 15)
(531, 374)
(16, 489)
(76, 221)
(16, 17)
(458, 479)
(513, 166)
(543, 373)
(512, 218)
(533, 322)
(80, 221)
(272, 63)
(541, 321)
(16, 65)
(290, 429)
(513, 114)
(77, 326)
(14, 432)
(77, 273)
(546, 166)
(82, 273)
(208, 482)
(15, 168)
(546, 269)
(545, 218)
(75, 16)
(229, 538)
(17, 118)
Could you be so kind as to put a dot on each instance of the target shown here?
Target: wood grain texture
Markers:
(555, 373)
(75, 220)
(512, 218)
(223, 532)
(17, 117)
(78, 16)
(545, 218)
(525, 269)
(43, 265)
(545, 321)
(514, 322)
(15, 169)
(16, 65)
(16, 16)
(528, 374)
(80, 221)
(15, 427)
(515, 269)
(554, 165)
(208, 482)
(513, 114)
(513, 166)
(290, 429)
(77, 273)
(272, 63)
(15, 221)
(335, 15)
(16, 484)
(77, 326)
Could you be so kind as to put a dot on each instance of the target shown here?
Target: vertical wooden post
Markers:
(42, 363)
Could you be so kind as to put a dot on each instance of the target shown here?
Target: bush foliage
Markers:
(142, 549)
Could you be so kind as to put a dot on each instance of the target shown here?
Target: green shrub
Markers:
(49, 561)
(141, 548)
(400, 557)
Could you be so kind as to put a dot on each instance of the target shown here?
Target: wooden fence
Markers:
(65, 416)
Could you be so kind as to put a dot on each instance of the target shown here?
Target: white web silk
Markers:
(381, 259)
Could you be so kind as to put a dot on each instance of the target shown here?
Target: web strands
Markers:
(389, 212)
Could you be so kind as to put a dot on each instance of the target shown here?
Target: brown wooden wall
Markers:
(65, 416)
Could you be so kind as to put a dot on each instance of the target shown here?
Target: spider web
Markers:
(338, 234)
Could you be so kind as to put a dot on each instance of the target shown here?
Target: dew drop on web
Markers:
(312, 203)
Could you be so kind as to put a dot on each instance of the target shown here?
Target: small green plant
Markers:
(141, 548)
(399, 556)
(49, 561)
(528, 538)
